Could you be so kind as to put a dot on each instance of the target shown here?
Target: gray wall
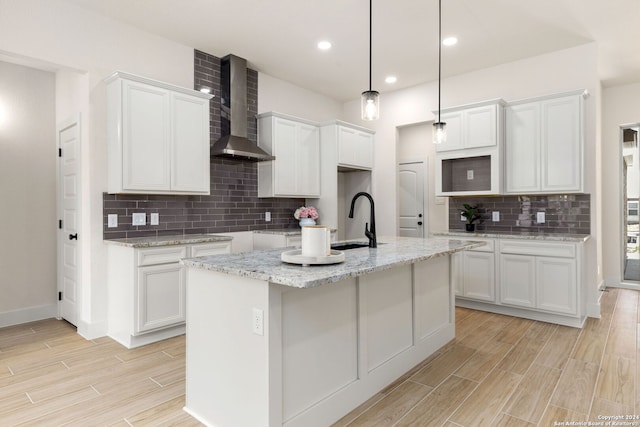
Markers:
(27, 188)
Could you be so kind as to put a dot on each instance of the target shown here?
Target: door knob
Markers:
(419, 215)
(73, 236)
(419, 222)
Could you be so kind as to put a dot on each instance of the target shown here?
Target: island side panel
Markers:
(227, 364)
(320, 344)
(434, 301)
(419, 308)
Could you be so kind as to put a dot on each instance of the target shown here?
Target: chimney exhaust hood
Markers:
(234, 108)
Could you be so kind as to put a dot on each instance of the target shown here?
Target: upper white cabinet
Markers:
(469, 162)
(295, 143)
(158, 137)
(355, 146)
(544, 145)
(472, 126)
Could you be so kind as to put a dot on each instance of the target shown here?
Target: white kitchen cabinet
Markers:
(556, 284)
(517, 283)
(146, 288)
(158, 137)
(473, 273)
(544, 145)
(355, 147)
(295, 143)
(160, 293)
(469, 162)
(473, 126)
(540, 275)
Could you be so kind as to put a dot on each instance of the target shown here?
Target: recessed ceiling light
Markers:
(391, 79)
(450, 41)
(324, 45)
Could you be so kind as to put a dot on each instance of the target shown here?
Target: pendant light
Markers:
(370, 98)
(439, 127)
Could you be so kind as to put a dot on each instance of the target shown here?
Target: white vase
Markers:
(307, 221)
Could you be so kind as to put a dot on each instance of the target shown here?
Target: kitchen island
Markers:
(275, 344)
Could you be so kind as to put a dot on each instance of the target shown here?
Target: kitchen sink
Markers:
(350, 245)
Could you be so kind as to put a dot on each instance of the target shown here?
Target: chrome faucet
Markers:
(370, 233)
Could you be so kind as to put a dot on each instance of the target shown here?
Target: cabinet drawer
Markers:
(205, 249)
(562, 250)
(164, 255)
(489, 247)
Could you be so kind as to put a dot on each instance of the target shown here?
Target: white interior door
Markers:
(69, 219)
(411, 209)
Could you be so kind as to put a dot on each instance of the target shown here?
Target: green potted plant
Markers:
(472, 214)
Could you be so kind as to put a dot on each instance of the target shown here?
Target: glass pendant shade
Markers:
(370, 105)
(439, 132)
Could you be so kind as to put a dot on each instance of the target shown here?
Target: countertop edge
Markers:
(150, 242)
(577, 238)
(205, 264)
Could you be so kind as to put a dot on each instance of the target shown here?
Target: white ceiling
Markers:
(278, 37)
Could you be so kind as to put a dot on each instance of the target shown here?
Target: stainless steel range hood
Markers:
(234, 109)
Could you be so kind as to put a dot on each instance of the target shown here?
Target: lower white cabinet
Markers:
(147, 290)
(541, 275)
(517, 284)
(534, 279)
(556, 285)
(474, 273)
(160, 293)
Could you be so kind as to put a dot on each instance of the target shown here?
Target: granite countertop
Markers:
(558, 237)
(391, 252)
(179, 239)
(285, 231)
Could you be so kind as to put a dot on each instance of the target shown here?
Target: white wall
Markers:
(27, 194)
(283, 97)
(621, 106)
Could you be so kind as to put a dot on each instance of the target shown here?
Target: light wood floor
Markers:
(499, 371)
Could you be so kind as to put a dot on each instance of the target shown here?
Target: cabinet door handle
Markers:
(419, 222)
(73, 236)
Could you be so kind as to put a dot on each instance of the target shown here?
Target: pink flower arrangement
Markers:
(306, 212)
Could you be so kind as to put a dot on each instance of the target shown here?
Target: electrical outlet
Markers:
(495, 216)
(258, 321)
(540, 217)
(470, 175)
(155, 219)
(462, 218)
(138, 219)
(267, 216)
(112, 220)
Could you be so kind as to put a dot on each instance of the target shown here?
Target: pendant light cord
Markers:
(439, 52)
(370, 41)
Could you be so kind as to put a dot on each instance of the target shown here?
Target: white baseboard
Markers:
(26, 315)
(93, 330)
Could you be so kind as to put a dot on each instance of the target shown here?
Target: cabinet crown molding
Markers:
(133, 77)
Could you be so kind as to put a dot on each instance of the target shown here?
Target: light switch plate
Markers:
(112, 220)
(138, 219)
(495, 216)
(540, 217)
(155, 219)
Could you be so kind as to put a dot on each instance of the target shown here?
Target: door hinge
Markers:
(60, 296)
(59, 152)
(60, 224)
